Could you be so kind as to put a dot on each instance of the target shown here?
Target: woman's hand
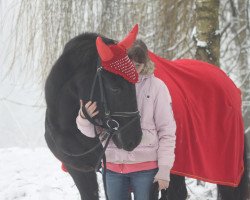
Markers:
(90, 108)
(163, 184)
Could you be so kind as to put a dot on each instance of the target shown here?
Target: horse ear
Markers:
(130, 38)
(104, 51)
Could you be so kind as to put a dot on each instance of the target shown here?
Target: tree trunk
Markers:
(207, 37)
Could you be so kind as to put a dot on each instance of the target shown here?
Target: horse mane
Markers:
(77, 62)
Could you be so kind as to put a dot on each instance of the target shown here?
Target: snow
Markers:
(35, 174)
(201, 43)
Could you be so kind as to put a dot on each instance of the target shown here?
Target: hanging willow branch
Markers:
(44, 26)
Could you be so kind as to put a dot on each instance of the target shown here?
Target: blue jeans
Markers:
(119, 185)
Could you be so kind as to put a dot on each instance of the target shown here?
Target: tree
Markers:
(207, 36)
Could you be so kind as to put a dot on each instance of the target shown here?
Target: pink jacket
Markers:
(158, 126)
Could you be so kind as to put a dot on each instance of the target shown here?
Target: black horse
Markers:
(70, 80)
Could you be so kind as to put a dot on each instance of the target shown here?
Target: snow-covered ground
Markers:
(35, 174)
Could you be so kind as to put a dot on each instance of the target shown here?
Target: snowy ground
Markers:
(35, 174)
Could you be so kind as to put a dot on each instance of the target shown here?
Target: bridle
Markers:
(108, 120)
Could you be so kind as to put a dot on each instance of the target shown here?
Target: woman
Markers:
(153, 158)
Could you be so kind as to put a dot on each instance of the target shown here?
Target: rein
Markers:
(110, 125)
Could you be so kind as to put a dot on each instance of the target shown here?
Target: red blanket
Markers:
(207, 110)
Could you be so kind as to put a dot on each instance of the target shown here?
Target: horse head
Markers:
(118, 104)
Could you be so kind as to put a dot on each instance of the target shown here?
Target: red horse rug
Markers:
(207, 110)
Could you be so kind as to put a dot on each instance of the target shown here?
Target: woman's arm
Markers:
(166, 129)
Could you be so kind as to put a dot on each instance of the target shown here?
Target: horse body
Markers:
(70, 80)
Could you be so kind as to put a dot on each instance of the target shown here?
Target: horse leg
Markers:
(236, 193)
(228, 193)
(177, 189)
(233, 193)
(86, 182)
